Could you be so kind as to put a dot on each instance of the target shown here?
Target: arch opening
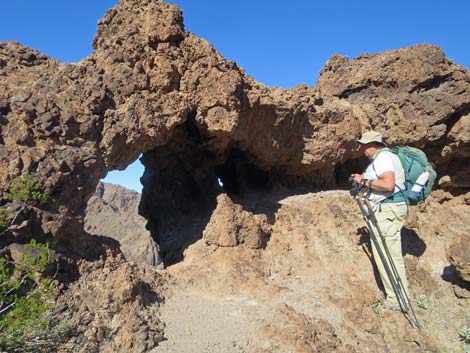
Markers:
(344, 170)
(181, 183)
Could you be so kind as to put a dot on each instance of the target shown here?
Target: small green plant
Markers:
(25, 297)
(35, 257)
(375, 308)
(26, 189)
(467, 348)
(65, 329)
(5, 218)
(464, 333)
(423, 301)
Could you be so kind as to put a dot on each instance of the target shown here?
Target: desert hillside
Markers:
(113, 211)
(291, 272)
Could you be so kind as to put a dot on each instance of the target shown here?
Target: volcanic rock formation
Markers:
(153, 88)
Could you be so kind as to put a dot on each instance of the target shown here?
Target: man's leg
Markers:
(390, 218)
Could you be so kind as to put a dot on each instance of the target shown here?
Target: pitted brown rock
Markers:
(78, 121)
(149, 79)
(153, 88)
(458, 254)
(230, 225)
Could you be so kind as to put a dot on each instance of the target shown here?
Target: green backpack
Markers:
(420, 174)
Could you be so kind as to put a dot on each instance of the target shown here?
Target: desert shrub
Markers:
(27, 322)
(26, 189)
(25, 298)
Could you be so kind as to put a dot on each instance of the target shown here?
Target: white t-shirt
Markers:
(385, 161)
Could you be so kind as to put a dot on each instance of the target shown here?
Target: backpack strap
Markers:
(407, 201)
(375, 157)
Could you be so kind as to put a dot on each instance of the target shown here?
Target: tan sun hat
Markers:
(370, 136)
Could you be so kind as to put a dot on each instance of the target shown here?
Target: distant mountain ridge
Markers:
(113, 212)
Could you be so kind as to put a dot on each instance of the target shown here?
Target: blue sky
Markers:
(278, 43)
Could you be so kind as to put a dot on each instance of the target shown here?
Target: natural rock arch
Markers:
(151, 87)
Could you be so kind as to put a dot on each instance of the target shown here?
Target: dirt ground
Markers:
(312, 288)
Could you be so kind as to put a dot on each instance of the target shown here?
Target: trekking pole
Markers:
(400, 292)
(390, 273)
(389, 266)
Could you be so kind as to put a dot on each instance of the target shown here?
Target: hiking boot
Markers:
(391, 305)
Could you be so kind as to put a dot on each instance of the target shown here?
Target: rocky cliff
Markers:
(153, 88)
(113, 212)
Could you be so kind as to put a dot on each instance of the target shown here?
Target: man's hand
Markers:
(357, 178)
(386, 182)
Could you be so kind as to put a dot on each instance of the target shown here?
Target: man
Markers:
(385, 178)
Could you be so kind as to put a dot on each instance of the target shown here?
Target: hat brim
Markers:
(365, 142)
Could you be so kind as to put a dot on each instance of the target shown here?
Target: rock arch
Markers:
(151, 87)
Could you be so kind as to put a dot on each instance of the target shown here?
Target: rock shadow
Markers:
(66, 251)
(180, 193)
(85, 246)
(449, 274)
(364, 242)
(411, 243)
(180, 190)
(146, 294)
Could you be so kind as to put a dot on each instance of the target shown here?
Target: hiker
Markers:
(385, 178)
